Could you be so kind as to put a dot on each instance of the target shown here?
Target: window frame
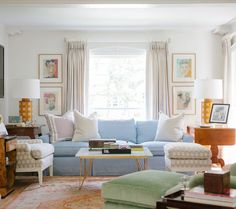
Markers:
(134, 45)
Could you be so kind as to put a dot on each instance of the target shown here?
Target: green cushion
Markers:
(142, 188)
(196, 180)
(233, 169)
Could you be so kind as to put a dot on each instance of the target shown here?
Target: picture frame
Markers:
(183, 100)
(219, 113)
(183, 67)
(14, 119)
(50, 68)
(50, 100)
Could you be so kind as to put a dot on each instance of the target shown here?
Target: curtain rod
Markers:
(230, 35)
(98, 42)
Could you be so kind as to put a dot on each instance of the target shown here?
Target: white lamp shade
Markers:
(26, 88)
(208, 89)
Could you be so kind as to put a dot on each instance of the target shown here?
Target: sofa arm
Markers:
(188, 138)
(45, 138)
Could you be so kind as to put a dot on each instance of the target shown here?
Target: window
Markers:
(117, 83)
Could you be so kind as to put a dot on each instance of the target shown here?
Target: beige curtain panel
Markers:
(76, 52)
(158, 72)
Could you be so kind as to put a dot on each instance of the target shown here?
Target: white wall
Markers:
(4, 101)
(24, 50)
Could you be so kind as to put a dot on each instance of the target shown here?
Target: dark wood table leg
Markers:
(214, 158)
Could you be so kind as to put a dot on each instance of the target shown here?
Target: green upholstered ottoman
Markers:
(138, 190)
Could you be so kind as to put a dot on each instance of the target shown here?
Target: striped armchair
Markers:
(34, 156)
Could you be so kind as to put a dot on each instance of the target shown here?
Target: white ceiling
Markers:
(113, 16)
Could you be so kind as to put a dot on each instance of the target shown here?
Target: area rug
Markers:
(60, 193)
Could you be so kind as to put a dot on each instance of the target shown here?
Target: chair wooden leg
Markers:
(40, 176)
(51, 170)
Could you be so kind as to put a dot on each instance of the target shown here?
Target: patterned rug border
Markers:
(23, 182)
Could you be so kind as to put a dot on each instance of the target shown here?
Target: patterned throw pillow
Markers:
(170, 129)
(60, 128)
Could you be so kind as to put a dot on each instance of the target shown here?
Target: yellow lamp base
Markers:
(206, 110)
(25, 109)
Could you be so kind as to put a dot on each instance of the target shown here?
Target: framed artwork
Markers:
(219, 113)
(50, 100)
(14, 119)
(183, 100)
(183, 67)
(50, 68)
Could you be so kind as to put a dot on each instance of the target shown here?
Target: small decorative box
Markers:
(116, 151)
(217, 182)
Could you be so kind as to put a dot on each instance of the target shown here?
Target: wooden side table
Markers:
(31, 131)
(213, 137)
(7, 164)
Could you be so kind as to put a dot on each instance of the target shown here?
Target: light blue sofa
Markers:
(139, 132)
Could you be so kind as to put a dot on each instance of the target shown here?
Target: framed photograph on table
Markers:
(219, 113)
(183, 67)
(50, 100)
(183, 100)
(50, 68)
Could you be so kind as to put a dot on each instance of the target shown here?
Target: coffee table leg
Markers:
(138, 165)
(145, 163)
(80, 167)
(85, 175)
(90, 166)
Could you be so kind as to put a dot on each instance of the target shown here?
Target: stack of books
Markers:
(136, 147)
(198, 195)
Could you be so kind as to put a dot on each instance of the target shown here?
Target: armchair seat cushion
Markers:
(39, 151)
(184, 150)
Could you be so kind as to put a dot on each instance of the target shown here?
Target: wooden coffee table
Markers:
(176, 200)
(85, 154)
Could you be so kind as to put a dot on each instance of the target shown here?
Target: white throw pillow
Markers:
(85, 127)
(60, 128)
(170, 129)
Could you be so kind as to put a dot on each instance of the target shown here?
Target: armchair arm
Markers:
(23, 147)
(30, 141)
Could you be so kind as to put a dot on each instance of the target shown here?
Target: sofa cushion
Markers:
(60, 127)
(68, 148)
(86, 128)
(156, 148)
(118, 129)
(39, 151)
(142, 188)
(170, 129)
(146, 130)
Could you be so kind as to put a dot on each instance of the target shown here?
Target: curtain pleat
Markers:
(75, 75)
(158, 67)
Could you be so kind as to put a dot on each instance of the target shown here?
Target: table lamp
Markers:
(3, 130)
(26, 89)
(207, 89)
